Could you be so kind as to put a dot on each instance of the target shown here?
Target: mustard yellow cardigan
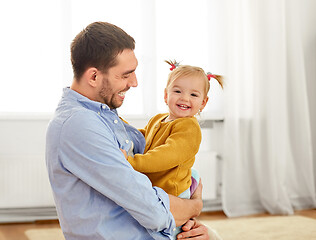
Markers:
(169, 153)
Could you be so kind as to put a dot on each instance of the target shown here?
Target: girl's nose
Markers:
(185, 97)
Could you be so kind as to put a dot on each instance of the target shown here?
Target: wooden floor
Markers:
(220, 215)
(16, 231)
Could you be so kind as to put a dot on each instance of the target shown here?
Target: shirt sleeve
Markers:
(182, 144)
(90, 151)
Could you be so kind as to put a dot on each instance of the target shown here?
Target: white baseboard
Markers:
(27, 214)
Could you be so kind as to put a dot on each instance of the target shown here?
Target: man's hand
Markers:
(184, 209)
(193, 229)
(197, 195)
(124, 152)
(198, 191)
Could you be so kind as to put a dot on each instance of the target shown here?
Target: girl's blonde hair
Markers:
(188, 70)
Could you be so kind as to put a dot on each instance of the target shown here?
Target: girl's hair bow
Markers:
(210, 75)
(173, 64)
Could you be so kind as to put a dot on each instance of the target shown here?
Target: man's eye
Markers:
(126, 76)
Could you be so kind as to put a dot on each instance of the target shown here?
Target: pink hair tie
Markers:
(172, 67)
(210, 75)
(173, 64)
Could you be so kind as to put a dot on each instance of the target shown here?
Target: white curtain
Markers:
(37, 35)
(270, 118)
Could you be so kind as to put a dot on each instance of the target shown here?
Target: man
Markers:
(98, 194)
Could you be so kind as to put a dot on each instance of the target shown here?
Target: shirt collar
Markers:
(92, 105)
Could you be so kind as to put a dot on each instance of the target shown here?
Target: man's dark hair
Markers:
(97, 46)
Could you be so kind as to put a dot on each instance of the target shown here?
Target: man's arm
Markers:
(185, 209)
(192, 228)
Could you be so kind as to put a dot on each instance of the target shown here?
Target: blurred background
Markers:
(258, 151)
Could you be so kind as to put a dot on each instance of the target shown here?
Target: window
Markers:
(31, 55)
(35, 48)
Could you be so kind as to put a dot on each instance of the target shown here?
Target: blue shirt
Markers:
(98, 194)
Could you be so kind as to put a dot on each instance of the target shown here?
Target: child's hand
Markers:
(124, 152)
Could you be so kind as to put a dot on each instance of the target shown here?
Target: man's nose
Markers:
(132, 81)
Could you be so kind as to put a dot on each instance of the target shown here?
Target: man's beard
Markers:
(108, 96)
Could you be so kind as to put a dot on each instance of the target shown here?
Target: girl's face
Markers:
(185, 97)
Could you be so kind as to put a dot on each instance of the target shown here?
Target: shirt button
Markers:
(174, 229)
(115, 121)
(103, 107)
(99, 113)
(157, 125)
(126, 141)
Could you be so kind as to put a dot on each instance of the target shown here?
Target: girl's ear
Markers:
(166, 96)
(204, 102)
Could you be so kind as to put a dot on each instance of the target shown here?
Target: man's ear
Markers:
(91, 75)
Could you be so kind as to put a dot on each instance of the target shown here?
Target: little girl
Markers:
(173, 139)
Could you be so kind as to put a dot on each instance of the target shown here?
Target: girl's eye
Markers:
(194, 95)
(177, 91)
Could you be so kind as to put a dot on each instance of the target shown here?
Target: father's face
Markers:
(119, 79)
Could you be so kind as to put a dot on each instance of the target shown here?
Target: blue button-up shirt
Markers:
(98, 194)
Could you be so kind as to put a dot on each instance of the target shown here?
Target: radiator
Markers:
(25, 192)
(206, 163)
(24, 182)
